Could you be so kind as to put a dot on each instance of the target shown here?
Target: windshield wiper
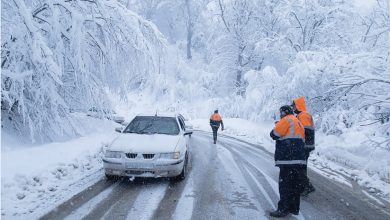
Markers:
(147, 132)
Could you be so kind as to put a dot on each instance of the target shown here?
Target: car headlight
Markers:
(166, 155)
(175, 155)
(113, 154)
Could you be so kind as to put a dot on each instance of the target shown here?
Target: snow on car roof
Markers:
(161, 114)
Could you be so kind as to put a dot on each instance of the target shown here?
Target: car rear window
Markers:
(153, 125)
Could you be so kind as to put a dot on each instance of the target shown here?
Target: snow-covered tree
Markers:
(248, 56)
(58, 56)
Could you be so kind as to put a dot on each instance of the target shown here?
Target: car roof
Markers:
(160, 114)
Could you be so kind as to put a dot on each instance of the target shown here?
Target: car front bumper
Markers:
(142, 168)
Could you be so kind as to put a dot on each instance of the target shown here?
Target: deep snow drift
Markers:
(36, 178)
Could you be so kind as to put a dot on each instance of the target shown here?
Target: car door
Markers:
(183, 128)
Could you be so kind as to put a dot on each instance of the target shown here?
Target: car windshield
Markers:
(153, 125)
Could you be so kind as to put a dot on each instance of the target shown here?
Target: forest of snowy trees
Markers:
(246, 57)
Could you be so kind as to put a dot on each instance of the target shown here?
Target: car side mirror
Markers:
(119, 130)
(187, 133)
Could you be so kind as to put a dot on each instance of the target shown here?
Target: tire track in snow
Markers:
(266, 185)
(77, 200)
(172, 198)
(242, 201)
(263, 157)
(147, 202)
(179, 197)
(86, 207)
(258, 188)
(272, 185)
(178, 202)
(185, 205)
(211, 184)
(114, 205)
(261, 188)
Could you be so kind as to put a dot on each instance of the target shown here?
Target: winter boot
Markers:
(278, 214)
(309, 189)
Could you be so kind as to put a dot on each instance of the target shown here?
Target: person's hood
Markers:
(144, 143)
(300, 104)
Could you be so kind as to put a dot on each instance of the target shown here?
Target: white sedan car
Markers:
(150, 146)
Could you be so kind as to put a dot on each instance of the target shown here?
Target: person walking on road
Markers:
(299, 107)
(290, 158)
(215, 122)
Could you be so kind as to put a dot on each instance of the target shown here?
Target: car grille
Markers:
(148, 156)
(138, 172)
(145, 156)
(131, 155)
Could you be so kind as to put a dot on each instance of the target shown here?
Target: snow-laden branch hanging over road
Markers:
(58, 56)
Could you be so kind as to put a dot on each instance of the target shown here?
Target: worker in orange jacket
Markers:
(215, 123)
(299, 107)
(290, 158)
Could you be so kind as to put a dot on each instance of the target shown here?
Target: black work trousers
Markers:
(290, 188)
(215, 130)
(306, 181)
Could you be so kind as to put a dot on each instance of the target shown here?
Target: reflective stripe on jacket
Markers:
(289, 135)
(289, 127)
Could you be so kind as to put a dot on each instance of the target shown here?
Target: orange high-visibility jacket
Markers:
(304, 117)
(289, 135)
(216, 117)
(216, 120)
(289, 127)
(307, 121)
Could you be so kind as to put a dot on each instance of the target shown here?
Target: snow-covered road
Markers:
(230, 180)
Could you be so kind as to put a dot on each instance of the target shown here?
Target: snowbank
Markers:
(37, 178)
(346, 154)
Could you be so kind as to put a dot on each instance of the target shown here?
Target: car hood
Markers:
(143, 143)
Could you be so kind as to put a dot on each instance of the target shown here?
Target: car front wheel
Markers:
(111, 177)
(184, 171)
